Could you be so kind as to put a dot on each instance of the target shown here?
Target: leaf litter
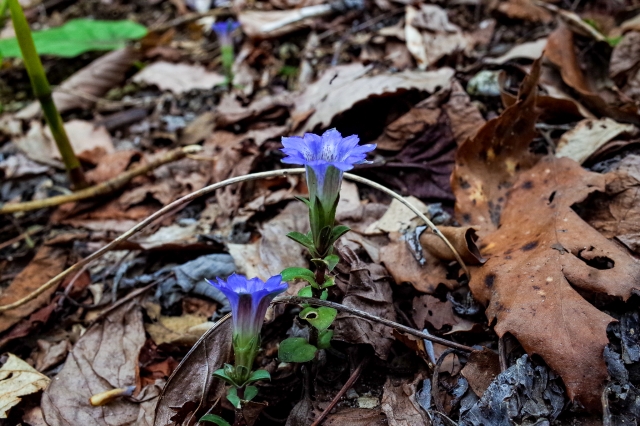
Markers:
(481, 164)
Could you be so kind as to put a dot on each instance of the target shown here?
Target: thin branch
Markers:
(365, 315)
(196, 194)
(102, 188)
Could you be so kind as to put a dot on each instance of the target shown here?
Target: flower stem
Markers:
(3, 11)
(42, 92)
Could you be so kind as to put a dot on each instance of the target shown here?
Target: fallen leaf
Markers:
(46, 264)
(18, 379)
(49, 354)
(366, 291)
(178, 78)
(464, 116)
(341, 87)
(92, 81)
(624, 65)
(183, 330)
(561, 52)
(105, 358)
(588, 136)
(33, 417)
(355, 417)
(398, 216)
(400, 405)
(192, 387)
(462, 239)
(529, 50)
(525, 9)
(262, 24)
(539, 250)
(112, 165)
(18, 165)
(481, 369)
(438, 37)
(428, 309)
(231, 111)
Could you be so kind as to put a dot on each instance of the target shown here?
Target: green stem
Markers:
(3, 12)
(42, 92)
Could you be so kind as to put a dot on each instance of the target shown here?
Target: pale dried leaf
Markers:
(590, 135)
(178, 78)
(529, 50)
(258, 24)
(18, 379)
(400, 405)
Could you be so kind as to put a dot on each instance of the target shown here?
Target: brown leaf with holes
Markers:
(544, 262)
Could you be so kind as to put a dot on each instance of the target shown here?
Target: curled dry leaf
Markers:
(525, 9)
(529, 50)
(400, 405)
(539, 250)
(258, 24)
(192, 387)
(588, 136)
(463, 240)
(18, 379)
(105, 358)
(561, 52)
(92, 81)
(625, 64)
(341, 87)
(47, 263)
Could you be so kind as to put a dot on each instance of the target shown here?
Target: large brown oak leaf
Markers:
(543, 259)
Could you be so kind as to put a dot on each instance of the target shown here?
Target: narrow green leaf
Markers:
(223, 374)
(338, 232)
(78, 36)
(214, 419)
(250, 392)
(324, 339)
(304, 200)
(296, 349)
(321, 318)
(302, 239)
(232, 396)
(259, 375)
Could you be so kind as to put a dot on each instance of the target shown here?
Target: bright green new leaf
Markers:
(214, 419)
(78, 36)
(295, 273)
(259, 375)
(331, 261)
(324, 339)
(321, 318)
(296, 349)
(307, 292)
(250, 392)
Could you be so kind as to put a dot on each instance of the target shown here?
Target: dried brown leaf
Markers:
(192, 386)
(18, 379)
(525, 9)
(47, 263)
(539, 249)
(462, 239)
(400, 405)
(178, 78)
(92, 81)
(481, 368)
(341, 87)
(105, 358)
(428, 309)
(588, 136)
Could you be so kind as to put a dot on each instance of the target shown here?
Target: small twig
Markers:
(26, 234)
(191, 17)
(365, 315)
(206, 190)
(352, 379)
(102, 188)
(435, 384)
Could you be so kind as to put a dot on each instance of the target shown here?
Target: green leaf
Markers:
(295, 273)
(304, 200)
(324, 339)
(305, 292)
(259, 375)
(302, 239)
(331, 261)
(338, 232)
(250, 392)
(225, 374)
(324, 295)
(296, 349)
(78, 36)
(232, 396)
(321, 318)
(214, 419)
(329, 282)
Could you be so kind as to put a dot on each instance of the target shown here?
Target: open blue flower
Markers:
(325, 157)
(249, 300)
(224, 30)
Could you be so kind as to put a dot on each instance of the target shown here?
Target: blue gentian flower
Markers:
(224, 30)
(325, 158)
(249, 300)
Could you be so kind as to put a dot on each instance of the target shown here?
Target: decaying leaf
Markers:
(178, 78)
(355, 417)
(105, 358)
(366, 291)
(525, 9)
(428, 309)
(94, 80)
(590, 135)
(192, 385)
(462, 239)
(480, 370)
(47, 263)
(341, 87)
(18, 379)
(539, 250)
(400, 405)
